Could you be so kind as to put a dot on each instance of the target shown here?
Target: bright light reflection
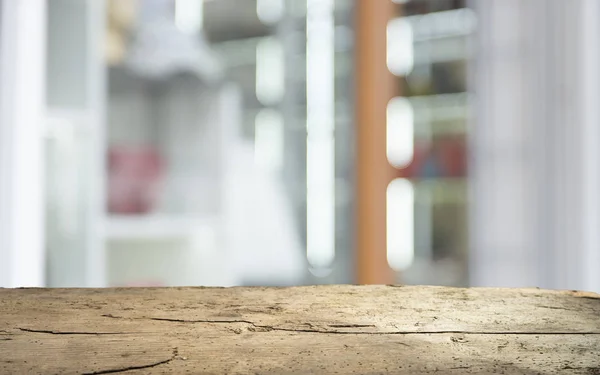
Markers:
(269, 11)
(268, 140)
(320, 148)
(270, 74)
(400, 224)
(400, 50)
(400, 132)
(189, 15)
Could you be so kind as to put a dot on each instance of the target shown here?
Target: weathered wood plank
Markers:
(321, 329)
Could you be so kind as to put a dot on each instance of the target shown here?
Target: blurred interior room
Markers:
(294, 142)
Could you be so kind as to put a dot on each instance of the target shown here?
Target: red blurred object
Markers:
(444, 157)
(452, 156)
(134, 175)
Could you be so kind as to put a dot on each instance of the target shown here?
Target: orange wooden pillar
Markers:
(374, 88)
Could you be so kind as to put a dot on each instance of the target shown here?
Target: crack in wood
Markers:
(139, 367)
(267, 328)
(351, 325)
(53, 332)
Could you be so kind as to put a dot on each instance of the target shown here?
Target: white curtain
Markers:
(535, 168)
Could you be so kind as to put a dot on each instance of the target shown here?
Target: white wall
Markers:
(22, 105)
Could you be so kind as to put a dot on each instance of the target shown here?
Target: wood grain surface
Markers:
(300, 330)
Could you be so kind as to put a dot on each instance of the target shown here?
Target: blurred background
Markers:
(291, 142)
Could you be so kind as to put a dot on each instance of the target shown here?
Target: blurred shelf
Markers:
(443, 50)
(232, 19)
(440, 115)
(442, 190)
(238, 52)
(155, 227)
(451, 99)
(443, 24)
